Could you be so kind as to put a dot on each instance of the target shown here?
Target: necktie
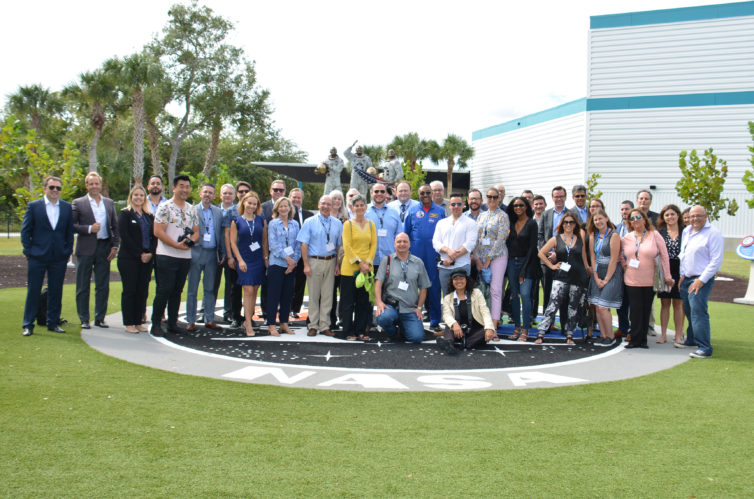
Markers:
(403, 212)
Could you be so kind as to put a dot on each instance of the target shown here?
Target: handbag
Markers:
(659, 285)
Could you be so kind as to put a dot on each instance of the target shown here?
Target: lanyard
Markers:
(568, 247)
(251, 227)
(638, 242)
(327, 228)
(208, 220)
(378, 213)
(600, 239)
(404, 269)
(286, 230)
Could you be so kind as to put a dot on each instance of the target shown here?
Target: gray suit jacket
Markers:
(83, 217)
(217, 215)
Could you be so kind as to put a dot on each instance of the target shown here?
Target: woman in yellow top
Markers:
(359, 247)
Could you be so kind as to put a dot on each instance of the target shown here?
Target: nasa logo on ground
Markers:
(379, 365)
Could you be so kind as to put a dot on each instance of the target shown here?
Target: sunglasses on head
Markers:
(55, 187)
(635, 218)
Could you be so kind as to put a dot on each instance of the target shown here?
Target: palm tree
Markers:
(36, 103)
(133, 74)
(96, 93)
(454, 150)
(412, 148)
(376, 153)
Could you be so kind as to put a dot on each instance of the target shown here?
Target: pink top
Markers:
(650, 245)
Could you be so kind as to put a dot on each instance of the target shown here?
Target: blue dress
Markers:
(255, 269)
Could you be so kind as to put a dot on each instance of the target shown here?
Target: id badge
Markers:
(254, 246)
(565, 267)
(330, 247)
(634, 263)
(486, 241)
(381, 232)
(288, 251)
(403, 285)
(207, 238)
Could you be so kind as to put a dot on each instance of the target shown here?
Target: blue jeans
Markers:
(205, 263)
(413, 329)
(695, 307)
(520, 292)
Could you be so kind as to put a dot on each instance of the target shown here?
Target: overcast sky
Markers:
(342, 71)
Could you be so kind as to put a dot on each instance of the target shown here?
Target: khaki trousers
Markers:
(320, 285)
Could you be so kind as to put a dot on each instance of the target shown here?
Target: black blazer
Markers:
(40, 240)
(129, 230)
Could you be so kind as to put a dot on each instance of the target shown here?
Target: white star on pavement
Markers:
(503, 352)
(328, 356)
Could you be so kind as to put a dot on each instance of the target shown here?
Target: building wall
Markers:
(712, 55)
(535, 157)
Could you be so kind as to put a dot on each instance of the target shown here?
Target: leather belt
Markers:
(322, 257)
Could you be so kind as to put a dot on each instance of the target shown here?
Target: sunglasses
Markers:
(519, 206)
(568, 222)
(243, 192)
(635, 218)
(55, 187)
(425, 193)
(492, 197)
(277, 189)
(577, 196)
(379, 192)
(456, 204)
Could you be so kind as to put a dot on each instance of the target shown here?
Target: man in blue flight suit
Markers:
(420, 224)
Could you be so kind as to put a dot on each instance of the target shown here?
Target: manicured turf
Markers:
(77, 423)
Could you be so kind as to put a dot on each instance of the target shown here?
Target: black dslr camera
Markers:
(186, 236)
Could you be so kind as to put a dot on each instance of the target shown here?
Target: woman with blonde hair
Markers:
(248, 241)
(137, 247)
(285, 252)
(606, 284)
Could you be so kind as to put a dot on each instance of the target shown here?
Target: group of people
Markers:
(390, 260)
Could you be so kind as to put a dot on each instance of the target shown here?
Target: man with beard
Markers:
(474, 200)
(334, 167)
(385, 219)
(359, 161)
(155, 198)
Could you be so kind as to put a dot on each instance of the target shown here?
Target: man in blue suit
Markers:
(47, 239)
(420, 224)
(205, 254)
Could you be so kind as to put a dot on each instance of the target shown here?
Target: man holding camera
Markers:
(400, 290)
(176, 227)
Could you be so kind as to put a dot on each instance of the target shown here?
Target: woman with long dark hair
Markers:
(465, 314)
(570, 278)
(671, 229)
(523, 263)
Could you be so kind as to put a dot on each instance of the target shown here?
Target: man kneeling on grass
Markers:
(400, 290)
(468, 323)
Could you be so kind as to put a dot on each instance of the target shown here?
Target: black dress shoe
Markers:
(56, 329)
(101, 324)
(85, 325)
(176, 330)
(28, 331)
(157, 331)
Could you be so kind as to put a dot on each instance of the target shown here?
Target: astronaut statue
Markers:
(359, 163)
(392, 171)
(334, 165)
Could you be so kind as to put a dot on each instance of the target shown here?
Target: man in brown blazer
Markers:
(96, 223)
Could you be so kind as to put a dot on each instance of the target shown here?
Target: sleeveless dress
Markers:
(611, 295)
(255, 269)
(674, 252)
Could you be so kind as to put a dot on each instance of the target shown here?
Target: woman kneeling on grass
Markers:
(570, 276)
(465, 313)
(606, 285)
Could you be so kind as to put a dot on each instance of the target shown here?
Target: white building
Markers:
(659, 82)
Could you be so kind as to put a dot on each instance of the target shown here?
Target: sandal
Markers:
(364, 337)
(132, 330)
(524, 336)
(569, 339)
(540, 339)
(351, 338)
(516, 334)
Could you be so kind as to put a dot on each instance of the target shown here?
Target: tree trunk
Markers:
(98, 122)
(36, 124)
(451, 165)
(138, 115)
(177, 141)
(209, 160)
(154, 148)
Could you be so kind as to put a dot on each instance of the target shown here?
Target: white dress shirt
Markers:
(53, 212)
(454, 235)
(100, 216)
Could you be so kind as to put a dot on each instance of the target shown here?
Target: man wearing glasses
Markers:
(420, 225)
(454, 239)
(386, 220)
(47, 240)
(701, 257)
(579, 197)
(235, 317)
(277, 191)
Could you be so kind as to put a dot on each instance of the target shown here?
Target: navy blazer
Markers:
(40, 240)
(217, 215)
(130, 234)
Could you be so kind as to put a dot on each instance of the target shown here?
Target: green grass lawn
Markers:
(77, 423)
